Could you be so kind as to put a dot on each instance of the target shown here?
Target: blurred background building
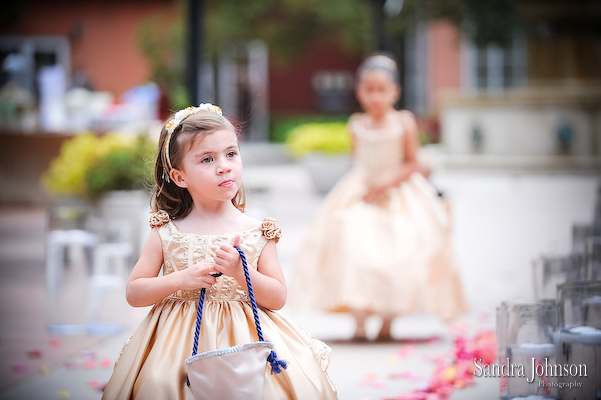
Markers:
(518, 78)
(507, 87)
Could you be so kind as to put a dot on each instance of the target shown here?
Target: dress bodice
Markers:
(181, 249)
(378, 152)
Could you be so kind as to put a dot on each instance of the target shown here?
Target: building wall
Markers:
(529, 122)
(531, 104)
(102, 36)
(291, 87)
(23, 160)
(444, 61)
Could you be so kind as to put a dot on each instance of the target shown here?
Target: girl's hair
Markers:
(167, 196)
(378, 61)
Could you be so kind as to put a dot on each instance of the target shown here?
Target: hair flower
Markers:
(271, 229)
(186, 112)
(159, 218)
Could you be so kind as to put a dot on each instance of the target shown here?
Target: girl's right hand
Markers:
(198, 276)
(377, 192)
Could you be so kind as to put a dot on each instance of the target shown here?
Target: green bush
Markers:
(327, 137)
(89, 165)
(282, 125)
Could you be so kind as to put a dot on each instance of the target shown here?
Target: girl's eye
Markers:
(207, 159)
(231, 154)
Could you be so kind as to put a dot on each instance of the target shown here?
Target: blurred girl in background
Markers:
(381, 242)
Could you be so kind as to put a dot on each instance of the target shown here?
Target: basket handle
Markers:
(276, 364)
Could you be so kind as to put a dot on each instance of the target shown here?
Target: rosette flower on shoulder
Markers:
(159, 218)
(271, 229)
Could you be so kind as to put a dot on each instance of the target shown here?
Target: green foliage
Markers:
(484, 22)
(162, 42)
(428, 129)
(282, 125)
(289, 26)
(327, 137)
(89, 165)
(491, 22)
(128, 168)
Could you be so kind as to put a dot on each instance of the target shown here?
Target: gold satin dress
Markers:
(394, 257)
(152, 363)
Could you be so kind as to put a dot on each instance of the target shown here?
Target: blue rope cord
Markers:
(198, 321)
(197, 330)
(276, 364)
(251, 294)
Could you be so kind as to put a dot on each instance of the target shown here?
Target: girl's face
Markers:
(211, 169)
(377, 92)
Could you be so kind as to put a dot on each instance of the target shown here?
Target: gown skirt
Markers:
(392, 257)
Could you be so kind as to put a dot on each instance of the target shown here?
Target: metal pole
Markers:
(195, 47)
(378, 20)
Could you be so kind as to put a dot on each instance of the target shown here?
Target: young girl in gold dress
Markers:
(199, 204)
(381, 242)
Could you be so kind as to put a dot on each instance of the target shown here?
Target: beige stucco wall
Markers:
(523, 122)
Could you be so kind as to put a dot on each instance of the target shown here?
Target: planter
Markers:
(326, 169)
(91, 249)
(66, 212)
(122, 216)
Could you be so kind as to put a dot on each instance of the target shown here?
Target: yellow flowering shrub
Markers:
(327, 137)
(89, 164)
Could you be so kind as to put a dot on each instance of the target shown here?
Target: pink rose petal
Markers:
(406, 351)
(71, 365)
(34, 354)
(106, 362)
(378, 385)
(370, 377)
(413, 377)
(21, 368)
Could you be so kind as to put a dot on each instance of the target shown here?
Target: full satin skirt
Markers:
(393, 257)
(152, 363)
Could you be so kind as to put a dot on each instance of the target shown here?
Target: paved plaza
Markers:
(502, 221)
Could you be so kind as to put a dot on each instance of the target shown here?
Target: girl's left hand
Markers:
(375, 194)
(227, 260)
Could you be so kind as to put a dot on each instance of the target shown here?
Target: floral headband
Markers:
(178, 118)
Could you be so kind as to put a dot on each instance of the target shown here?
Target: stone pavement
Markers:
(502, 221)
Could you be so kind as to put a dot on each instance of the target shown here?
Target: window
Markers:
(22, 58)
(494, 67)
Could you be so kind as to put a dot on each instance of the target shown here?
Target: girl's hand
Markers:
(198, 276)
(376, 193)
(228, 262)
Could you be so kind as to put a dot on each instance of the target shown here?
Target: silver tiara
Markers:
(382, 62)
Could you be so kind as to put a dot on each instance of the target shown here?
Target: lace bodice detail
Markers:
(378, 152)
(181, 249)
